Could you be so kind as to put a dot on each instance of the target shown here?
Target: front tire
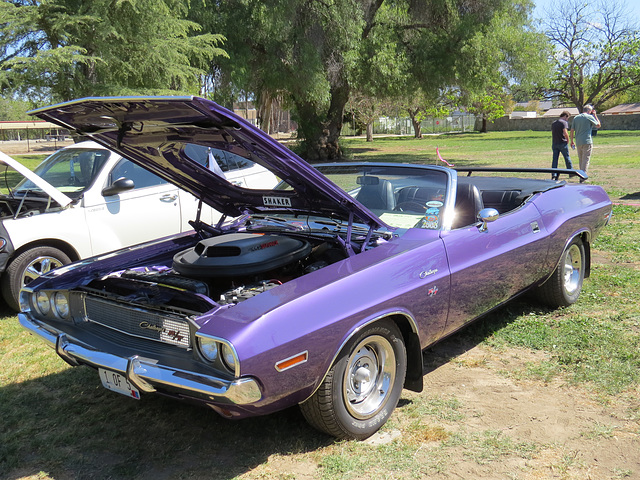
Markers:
(28, 266)
(564, 285)
(363, 387)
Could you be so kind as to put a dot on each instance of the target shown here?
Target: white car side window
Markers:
(141, 177)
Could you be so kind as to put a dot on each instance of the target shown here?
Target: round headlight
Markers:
(61, 304)
(228, 357)
(208, 348)
(41, 299)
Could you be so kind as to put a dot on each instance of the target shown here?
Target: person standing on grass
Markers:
(581, 127)
(560, 142)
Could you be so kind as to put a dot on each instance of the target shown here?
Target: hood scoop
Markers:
(239, 254)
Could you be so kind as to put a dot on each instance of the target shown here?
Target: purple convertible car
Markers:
(322, 292)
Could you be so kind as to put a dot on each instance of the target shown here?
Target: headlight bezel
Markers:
(231, 364)
(47, 304)
(229, 357)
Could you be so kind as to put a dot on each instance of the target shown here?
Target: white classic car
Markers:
(85, 200)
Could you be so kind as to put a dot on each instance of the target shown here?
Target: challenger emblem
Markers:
(172, 334)
(432, 271)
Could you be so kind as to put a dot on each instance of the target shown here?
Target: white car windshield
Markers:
(70, 170)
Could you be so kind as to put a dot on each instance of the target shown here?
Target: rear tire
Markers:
(28, 266)
(564, 285)
(363, 387)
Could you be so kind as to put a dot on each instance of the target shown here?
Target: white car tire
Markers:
(28, 266)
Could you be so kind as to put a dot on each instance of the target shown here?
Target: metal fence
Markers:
(403, 125)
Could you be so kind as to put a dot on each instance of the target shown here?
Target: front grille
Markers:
(138, 322)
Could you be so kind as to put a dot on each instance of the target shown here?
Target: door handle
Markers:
(168, 197)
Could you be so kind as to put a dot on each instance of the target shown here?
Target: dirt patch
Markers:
(490, 423)
(570, 434)
(32, 147)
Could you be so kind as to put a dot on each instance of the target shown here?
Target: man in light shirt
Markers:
(581, 127)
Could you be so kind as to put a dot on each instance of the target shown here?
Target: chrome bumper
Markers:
(146, 374)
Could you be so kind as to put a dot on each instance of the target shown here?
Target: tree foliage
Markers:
(57, 50)
(312, 56)
(318, 54)
(597, 52)
(507, 57)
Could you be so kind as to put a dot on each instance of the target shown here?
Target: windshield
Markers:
(402, 196)
(70, 170)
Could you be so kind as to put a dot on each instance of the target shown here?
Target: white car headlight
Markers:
(41, 301)
(61, 304)
(208, 348)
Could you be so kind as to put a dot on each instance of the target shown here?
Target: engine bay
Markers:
(221, 270)
(17, 207)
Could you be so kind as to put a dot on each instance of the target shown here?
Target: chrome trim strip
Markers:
(145, 373)
(226, 342)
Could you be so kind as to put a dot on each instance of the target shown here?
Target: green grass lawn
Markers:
(59, 422)
(513, 149)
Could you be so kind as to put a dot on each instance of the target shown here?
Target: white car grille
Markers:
(138, 322)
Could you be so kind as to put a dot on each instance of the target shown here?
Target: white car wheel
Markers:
(28, 266)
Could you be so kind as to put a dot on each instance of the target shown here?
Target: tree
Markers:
(362, 111)
(55, 50)
(13, 110)
(489, 105)
(508, 56)
(597, 52)
(317, 53)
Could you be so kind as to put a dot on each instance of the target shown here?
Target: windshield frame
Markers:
(401, 176)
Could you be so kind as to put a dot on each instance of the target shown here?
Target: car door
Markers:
(150, 210)
(489, 267)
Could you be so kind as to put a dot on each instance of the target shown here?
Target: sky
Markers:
(632, 5)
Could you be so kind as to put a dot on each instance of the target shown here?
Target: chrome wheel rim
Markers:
(572, 269)
(370, 374)
(39, 266)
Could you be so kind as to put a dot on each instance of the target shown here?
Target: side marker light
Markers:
(291, 362)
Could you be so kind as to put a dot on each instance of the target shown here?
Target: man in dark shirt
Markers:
(560, 142)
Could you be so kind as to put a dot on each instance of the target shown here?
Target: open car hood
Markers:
(45, 186)
(152, 131)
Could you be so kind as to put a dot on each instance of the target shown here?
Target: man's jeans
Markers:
(561, 148)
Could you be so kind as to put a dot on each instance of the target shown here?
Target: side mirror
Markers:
(120, 185)
(487, 215)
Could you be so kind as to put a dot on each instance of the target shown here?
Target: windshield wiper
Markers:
(356, 229)
(268, 219)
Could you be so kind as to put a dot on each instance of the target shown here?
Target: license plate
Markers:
(118, 383)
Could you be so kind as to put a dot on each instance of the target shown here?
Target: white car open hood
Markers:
(45, 186)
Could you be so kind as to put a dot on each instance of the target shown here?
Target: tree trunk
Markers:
(265, 107)
(370, 132)
(417, 128)
(321, 138)
(339, 97)
(484, 124)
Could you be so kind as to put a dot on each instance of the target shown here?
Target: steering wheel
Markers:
(411, 206)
